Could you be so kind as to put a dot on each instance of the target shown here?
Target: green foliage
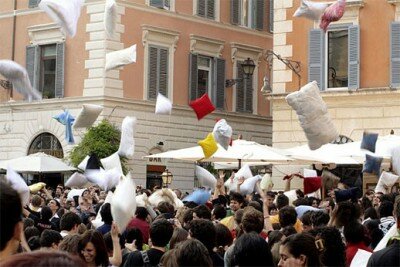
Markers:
(103, 140)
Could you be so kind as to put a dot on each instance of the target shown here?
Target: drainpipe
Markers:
(13, 40)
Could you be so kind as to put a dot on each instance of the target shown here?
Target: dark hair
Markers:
(165, 207)
(69, 220)
(375, 234)
(10, 213)
(202, 212)
(70, 244)
(49, 237)
(161, 232)
(98, 242)
(287, 216)
(187, 216)
(236, 197)
(134, 234)
(192, 252)
(385, 209)
(252, 220)
(105, 213)
(31, 231)
(347, 212)
(204, 231)
(28, 222)
(178, 236)
(319, 219)
(271, 194)
(281, 201)
(36, 200)
(366, 203)
(299, 193)
(190, 204)
(274, 236)
(251, 250)
(302, 202)
(219, 212)
(288, 230)
(141, 213)
(306, 218)
(34, 243)
(43, 259)
(303, 243)
(223, 235)
(45, 214)
(370, 213)
(255, 204)
(354, 232)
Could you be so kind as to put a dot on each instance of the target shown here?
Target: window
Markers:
(334, 57)
(206, 9)
(248, 13)
(162, 4)
(207, 75)
(395, 54)
(33, 3)
(271, 16)
(244, 91)
(157, 72)
(46, 143)
(45, 67)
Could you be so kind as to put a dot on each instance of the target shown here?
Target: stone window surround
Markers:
(216, 10)
(206, 46)
(171, 5)
(161, 37)
(45, 34)
(396, 3)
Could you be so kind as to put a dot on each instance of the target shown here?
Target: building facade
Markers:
(185, 48)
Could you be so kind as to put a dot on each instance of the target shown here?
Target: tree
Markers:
(103, 140)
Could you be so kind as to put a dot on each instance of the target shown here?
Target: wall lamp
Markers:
(6, 84)
(248, 67)
(293, 65)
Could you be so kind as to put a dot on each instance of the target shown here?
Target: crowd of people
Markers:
(230, 229)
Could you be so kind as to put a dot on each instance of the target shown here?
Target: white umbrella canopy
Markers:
(37, 163)
(246, 151)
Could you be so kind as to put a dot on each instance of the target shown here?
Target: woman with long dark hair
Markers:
(299, 250)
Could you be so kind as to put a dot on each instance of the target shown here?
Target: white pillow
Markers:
(206, 179)
(309, 173)
(120, 58)
(231, 184)
(291, 195)
(310, 10)
(385, 239)
(99, 220)
(396, 160)
(19, 185)
(266, 182)
(313, 115)
(83, 163)
(77, 180)
(64, 12)
(163, 105)
(361, 258)
(127, 143)
(112, 162)
(166, 195)
(123, 204)
(88, 115)
(19, 78)
(110, 18)
(75, 192)
(249, 184)
(105, 179)
(386, 181)
(142, 200)
(222, 133)
(244, 172)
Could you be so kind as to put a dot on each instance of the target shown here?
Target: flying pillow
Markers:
(208, 145)
(198, 196)
(66, 119)
(19, 185)
(372, 164)
(75, 192)
(127, 143)
(34, 188)
(311, 184)
(244, 172)
(310, 10)
(202, 106)
(332, 13)
(167, 195)
(123, 203)
(110, 18)
(83, 163)
(313, 115)
(386, 181)
(346, 194)
(112, 162)
(87, 116)
(301, 209)
(369, 141)
(329, 180)
(163, 105)
(249, 185)
(309, 173)
(106, 179)
(19, 78)
(396, 160)
(120, 58)
(291, 195)
(361, 258)
(222, 133)
(205, 178)
(266, 182)
(64, 12)
(77, 180)
(93, 162)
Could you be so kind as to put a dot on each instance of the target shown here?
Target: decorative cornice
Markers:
(244, 51)
(355, 3)
(45, 34)
(394, 2)
(158, 34)
(206, 46)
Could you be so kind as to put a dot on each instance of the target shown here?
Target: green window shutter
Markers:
(259, 12)
(316, 57)
(211, 9)
(33, 3)
(163, 71)
(152, 73)
(271, 16)
(160, 3)
(248, 95)
(219, 64)
(240, 97)
(193, 79)
(395, 54)
(201, 8)
(33, 65)
(354, 57)
(60, 50)
(235, 12)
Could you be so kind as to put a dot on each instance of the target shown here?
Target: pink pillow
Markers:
(202, 106)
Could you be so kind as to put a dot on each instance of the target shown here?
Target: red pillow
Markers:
(311, 184)
(202, 106)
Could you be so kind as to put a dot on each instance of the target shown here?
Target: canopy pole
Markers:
(240, 164)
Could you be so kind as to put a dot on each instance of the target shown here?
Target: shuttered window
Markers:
(45, 67)
(163, 4)
(271, 16)
(207, 75)
(248, 13)
(206, 9)
(244, 91)
(395, 54)
(33, 3)
(158, 72)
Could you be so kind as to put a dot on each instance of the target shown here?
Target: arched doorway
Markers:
(49, 144)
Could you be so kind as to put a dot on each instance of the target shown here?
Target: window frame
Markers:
(210, 88)
(217, 8)
(171, 5)
(42, 72)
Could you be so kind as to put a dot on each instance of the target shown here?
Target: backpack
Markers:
(145, 257)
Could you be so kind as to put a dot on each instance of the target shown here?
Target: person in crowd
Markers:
(28, 222)
(35, 205)
(133, 241)
(224, 239)
(50, 239)
(343, 213)
(306, 220)
(192, 253)
(42, 222)
(201, 212)
(387, 220)
(236, 203)
(160, 234)
(218, 213)
(251, 250)
(140, 222)
(31, 231)
(34, 243)
(282, 201)
(69, 224)
(166, 208)
(44, 259)
(374, 233)
(179, 235)
(70, 244)
(54, 206)
(319, 219)
(299, 250)
(10, 221)
(355, 234)
(370, 214)
(107, 218)
(287, 216)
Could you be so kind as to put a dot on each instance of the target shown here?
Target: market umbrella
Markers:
(37, 163)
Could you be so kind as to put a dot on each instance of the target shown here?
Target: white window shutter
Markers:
(316, 57)
(354, 58)
(395, 54)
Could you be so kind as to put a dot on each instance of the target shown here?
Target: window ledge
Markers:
(45, 34)
(206, 46)
(355, 3)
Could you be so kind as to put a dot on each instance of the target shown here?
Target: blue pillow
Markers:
(346, 194)
(369, 141)
(372, 164)
(199, 196)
